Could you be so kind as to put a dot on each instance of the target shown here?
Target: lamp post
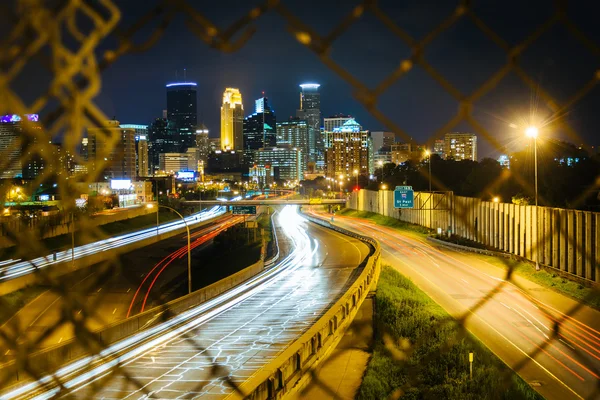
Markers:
(356, 174)
(532, 132)
(189, 248)
(428, 154)
(381, 168)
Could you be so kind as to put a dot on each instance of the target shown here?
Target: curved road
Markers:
(516, 323)
(228, 341)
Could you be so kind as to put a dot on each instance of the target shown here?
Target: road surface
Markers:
(239, 331)
(109, 293)
(516, 324)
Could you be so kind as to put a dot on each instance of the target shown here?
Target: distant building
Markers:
(111, 151)
(161, 140)
(142, 162)
(382, 156)
(310, 111)
(182, 113)
(403, 152)
(203, 143)
(286, 162)
(232, 121)
(460, 146)
(173, 163)
(348, 148)
(221, 162)
(11, 143)
(259, 129)
(438, 147)
(215, 144)
(382, 139)
(261, 175)
(335, 121)
(294, 133)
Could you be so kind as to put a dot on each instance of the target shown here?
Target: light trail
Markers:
(19, 268)
(83, 372)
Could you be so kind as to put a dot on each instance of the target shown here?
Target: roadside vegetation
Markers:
(420, 352)
(11, 303)
(385, 221)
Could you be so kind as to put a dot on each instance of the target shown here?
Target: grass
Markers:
(550, 279)
(434, 352)
(385, 221)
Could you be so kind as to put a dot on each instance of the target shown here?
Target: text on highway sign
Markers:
(243, 210)
(404, 197)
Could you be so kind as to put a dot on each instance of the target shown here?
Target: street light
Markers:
(356, 174)
(189, 248)
(532, 132)
(496, 199)
(428, 154)
(384, 187)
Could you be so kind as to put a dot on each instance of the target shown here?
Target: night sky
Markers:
(274, 62)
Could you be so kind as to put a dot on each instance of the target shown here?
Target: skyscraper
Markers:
(310, 111)
(232, 120)
(460, 146)
(348, 148)
(182, 113)
(259, 129)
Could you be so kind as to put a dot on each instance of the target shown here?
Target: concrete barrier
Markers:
(56, 270)
(288, 373)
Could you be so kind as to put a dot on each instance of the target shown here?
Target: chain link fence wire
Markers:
(51, 34)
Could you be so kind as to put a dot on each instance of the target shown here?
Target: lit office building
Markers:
(142, 162)
(460, 146)
(335, 121)
(161, 140)
(203, 143)
(310, 111)
(232, 120)
(11, 144)
(259, 129)
(286, 162)
(173, 163)
(111, 152)
(182, 113)
(348, 148)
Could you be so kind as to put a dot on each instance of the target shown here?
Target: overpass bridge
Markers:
(265, 202)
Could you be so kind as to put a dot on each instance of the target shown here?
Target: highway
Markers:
(517, 324)
(109, 293)
(11, 269)
(228, 338)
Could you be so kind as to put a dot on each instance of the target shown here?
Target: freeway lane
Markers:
(240, 331)
(104, 292)
(11, 269)
(513, 323)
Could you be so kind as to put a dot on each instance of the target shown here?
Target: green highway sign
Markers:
(404, 197)
(243, 210)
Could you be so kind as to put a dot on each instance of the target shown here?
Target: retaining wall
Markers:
(568, 240)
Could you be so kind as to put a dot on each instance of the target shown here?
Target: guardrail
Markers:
(288, 372)
(269, 263)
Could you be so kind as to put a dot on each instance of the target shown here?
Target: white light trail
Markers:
(76, 375)
(14, 268)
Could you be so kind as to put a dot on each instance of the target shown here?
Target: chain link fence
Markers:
(49, 34)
